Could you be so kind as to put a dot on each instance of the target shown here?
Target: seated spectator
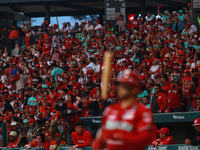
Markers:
(40, 142)
(56, 141)
(146, 101)
(13, 139)
(165, 138)
(198, 104)
(81, 137)
(22, 140)
(195, 140)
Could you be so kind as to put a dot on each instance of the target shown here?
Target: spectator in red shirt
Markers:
(159, 100)
(165, 138)
(40, 142)
(81, 137)
(56, 141)
(13, 139)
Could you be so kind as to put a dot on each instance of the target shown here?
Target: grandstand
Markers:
(45, 65)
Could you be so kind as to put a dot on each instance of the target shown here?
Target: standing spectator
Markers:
(56, 71)
(174, 95)
(159, 100)
(177, 26)
(76, 28)
(14, 70)
(14, 35)
(121, 25)
(32, 101)
(89, 27)
(98, 27)
(20, 80)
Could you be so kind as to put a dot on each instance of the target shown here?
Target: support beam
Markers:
(101, 18)
(47, 12)
(143, 8)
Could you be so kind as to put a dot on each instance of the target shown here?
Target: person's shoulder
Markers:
(111, 107)
(86, 131)
(46, 143)
(74, 133)
(170, 139)
(142, 109)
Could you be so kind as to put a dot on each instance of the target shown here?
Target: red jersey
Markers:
(12, 144)
(175, 98)
(168, 140)
(133, 124)
(83, 140)
(133, 24)
(46, 48)
(162, 101)
(55, 143)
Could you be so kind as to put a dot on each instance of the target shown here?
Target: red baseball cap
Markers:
(31, 121)
(89, 76)
(164, 130)
(8, 118)
(186, 71)
(27, 107)
(89, 21)
(32, 112)
(196, 122)
(57, 134)
(181, 52)
(97, 21)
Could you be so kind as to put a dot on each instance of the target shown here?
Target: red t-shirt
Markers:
(12, 144)
(166, 141)
(132, 124)
(14, 34)
(175, 98)
(54, 142)
(83, 140)
(46, 48)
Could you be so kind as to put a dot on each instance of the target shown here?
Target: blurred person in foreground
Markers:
(126, 125)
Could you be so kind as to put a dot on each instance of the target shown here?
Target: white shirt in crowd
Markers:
(153, 69)
(88, 28)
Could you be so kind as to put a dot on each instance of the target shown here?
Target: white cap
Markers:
(14, 123)
(13, 133)
(82, 21)
(174, 12)
(124, 59)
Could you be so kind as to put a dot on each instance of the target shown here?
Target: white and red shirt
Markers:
(134, 124)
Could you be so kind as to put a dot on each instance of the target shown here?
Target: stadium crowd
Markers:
(53, 66)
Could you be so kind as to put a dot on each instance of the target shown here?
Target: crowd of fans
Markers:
(53, 66)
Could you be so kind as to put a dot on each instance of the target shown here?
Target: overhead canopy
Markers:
(37, 8)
